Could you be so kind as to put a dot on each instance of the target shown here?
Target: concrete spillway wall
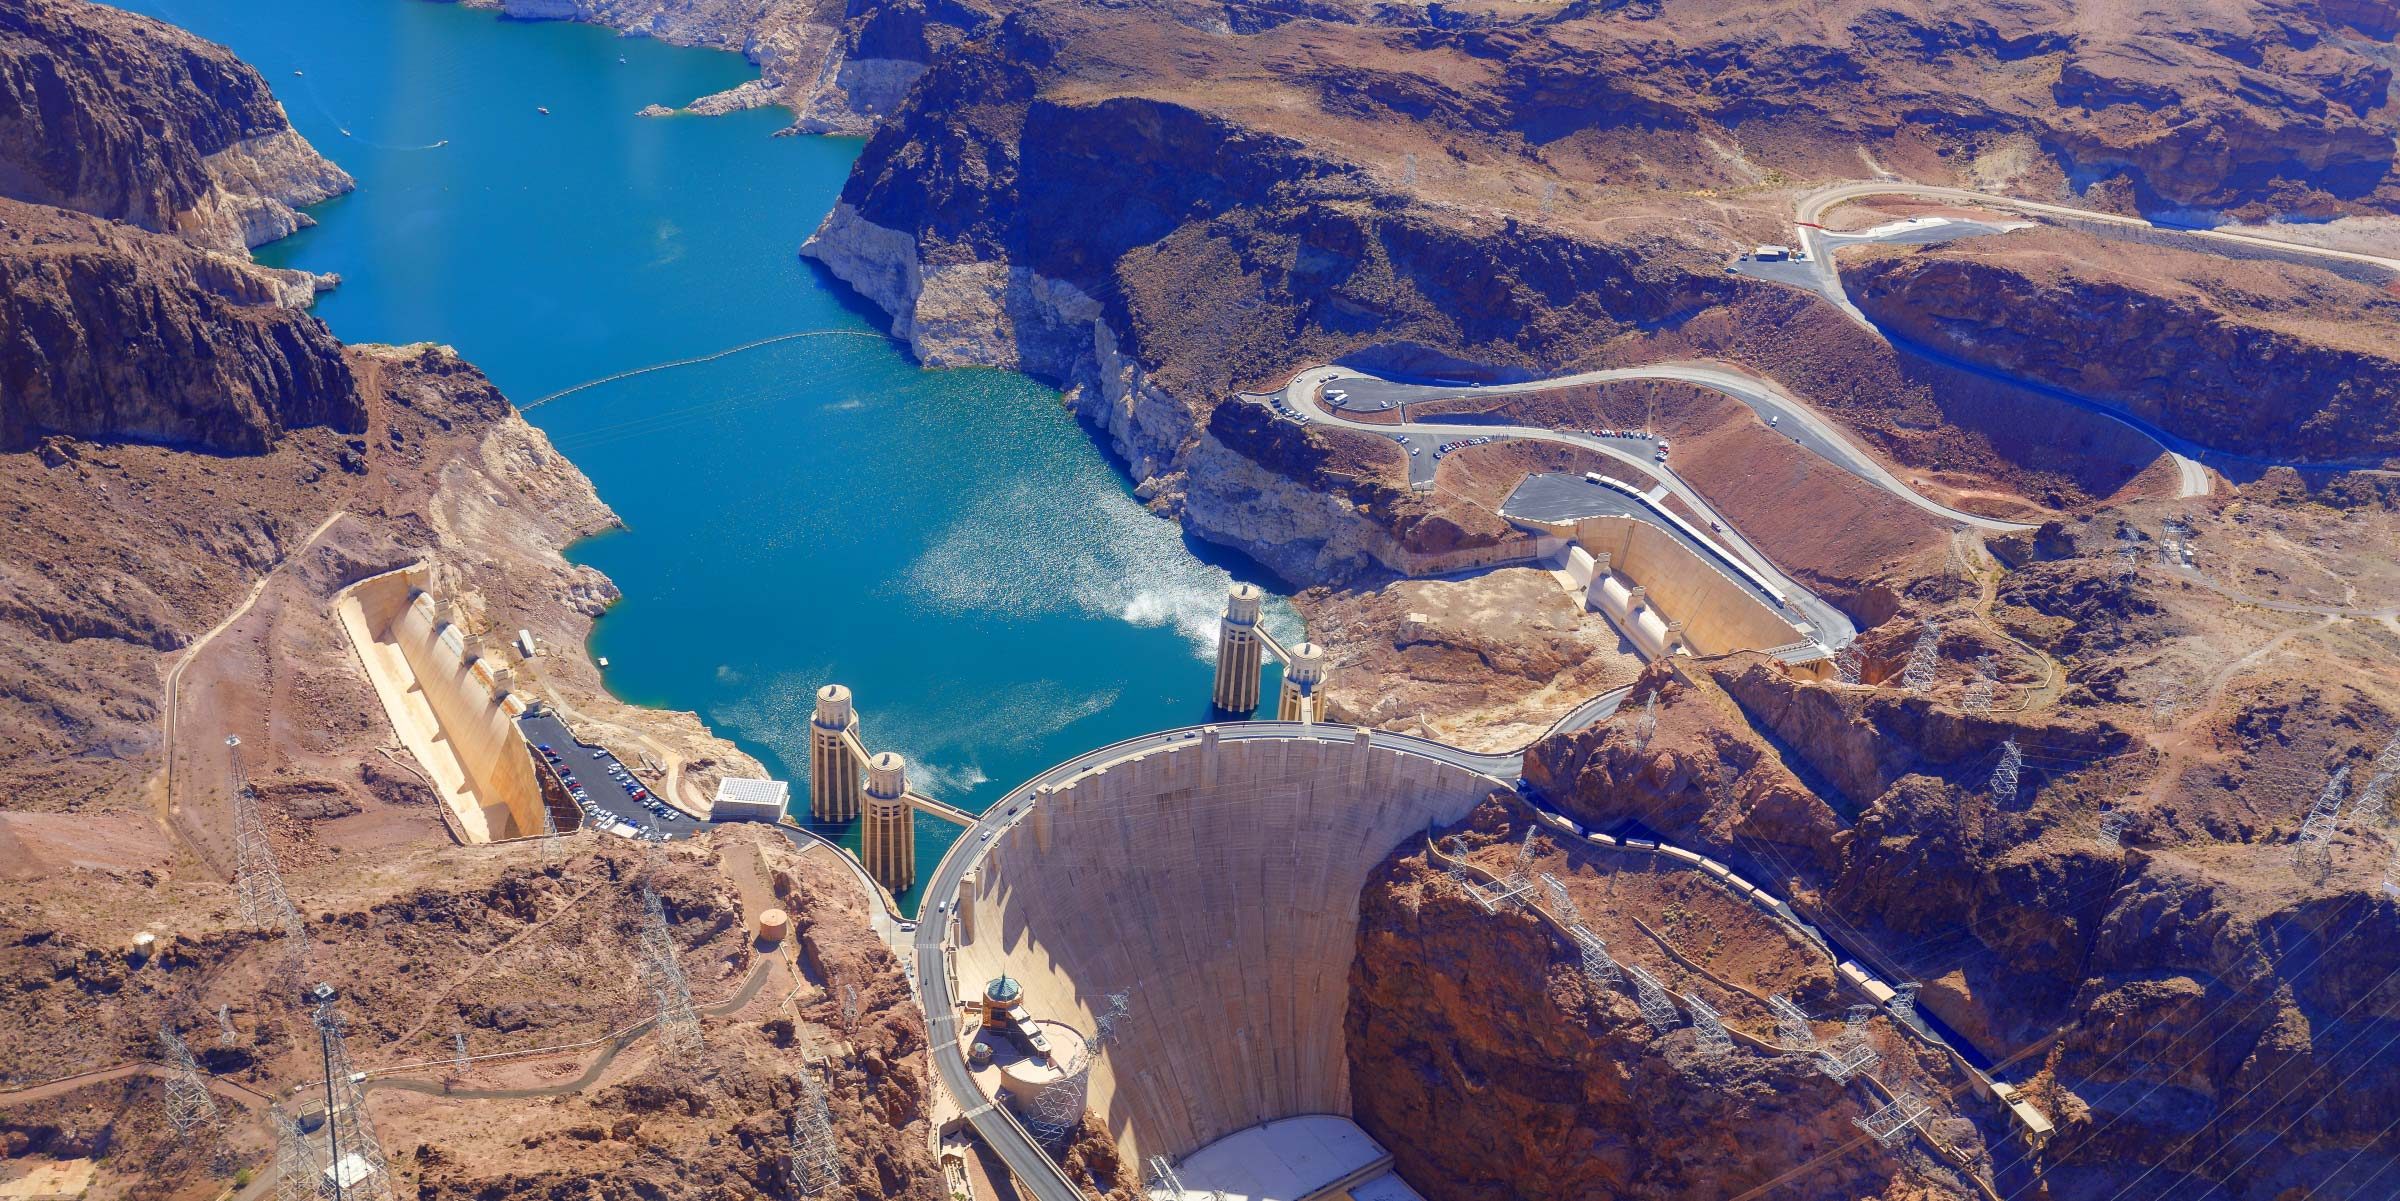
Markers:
(445, 707)
(1218, 882)
(1719, 616)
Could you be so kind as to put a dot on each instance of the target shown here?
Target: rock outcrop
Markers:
(2190, 343)
(1495, 1071)
(839, 68)
(137, 121)
(111, 333)
(2164, 966)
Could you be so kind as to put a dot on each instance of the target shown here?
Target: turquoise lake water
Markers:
(950, 544)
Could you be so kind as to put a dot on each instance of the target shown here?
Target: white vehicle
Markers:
(1776, 419)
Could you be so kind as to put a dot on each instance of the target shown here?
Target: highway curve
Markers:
(2189, 456)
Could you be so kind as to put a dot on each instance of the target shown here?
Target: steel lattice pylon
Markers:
(678, 1024)
(1924, 659)
(356, 1166)
(257, 880)
(1658, 1008)
(1891, 1124)
(1164, 1185)
(2316, 830)
(1846, 1058)
(189, 1107)
(1562, 906)
(1598, 968)
(2374, 802)
(816, 1158)
(2004, 775)
(1792, 1028)
(297, 1172)
(1713, 1038)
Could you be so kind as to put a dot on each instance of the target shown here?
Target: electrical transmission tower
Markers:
(1562, 906)
(678, 1025)
(1891, 1124)
(1658, 1009)
(1058, 1109)
(2004, 776)
(356, 1164)
(225, 1032)
(2129, 550)
(1521, 868)
(1165, 1185)
(2316, 831)
(816, 1158)
(257, 881)
(458, 1054)
(1598, 968)
(1984, 685)
(189, 1107)
(297, 1173)
(1924, 659)
(1848, 666)
(1793, 1030)
(850, 1009)
(1646, 726)
(2112, 828)
(1904, 999)
(1709, 1025)
(553, 847)
(2374, 802)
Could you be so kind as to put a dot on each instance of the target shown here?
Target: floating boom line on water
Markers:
(706, 358)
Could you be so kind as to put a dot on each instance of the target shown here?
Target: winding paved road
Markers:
(2190, 457)
(1828, 626)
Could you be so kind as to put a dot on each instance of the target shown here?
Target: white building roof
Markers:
(753, 792)
(750, 800)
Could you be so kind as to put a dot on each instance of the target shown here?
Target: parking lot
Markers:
(613, 797)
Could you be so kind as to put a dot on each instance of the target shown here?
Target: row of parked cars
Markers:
(1461, 444)
(624, 779)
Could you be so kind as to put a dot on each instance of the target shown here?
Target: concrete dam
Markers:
(1212, 877)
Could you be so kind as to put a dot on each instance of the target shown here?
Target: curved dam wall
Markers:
(445, 706)
(1217, 881)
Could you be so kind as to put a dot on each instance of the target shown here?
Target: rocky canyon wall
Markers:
(114, 333)
(134, 120)
(2262, 359)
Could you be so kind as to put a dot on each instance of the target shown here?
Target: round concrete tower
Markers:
(1302, 698)
(888, 840)
(1239, 651)
(832, 765)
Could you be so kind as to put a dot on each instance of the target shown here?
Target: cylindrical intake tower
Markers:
(888, 841)
(1239, 651)
(1302, 697)
(832, 768)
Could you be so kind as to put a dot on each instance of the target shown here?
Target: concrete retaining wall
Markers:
(442, 707)
(1218, 882)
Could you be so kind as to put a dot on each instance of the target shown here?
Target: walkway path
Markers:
(170, 710)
